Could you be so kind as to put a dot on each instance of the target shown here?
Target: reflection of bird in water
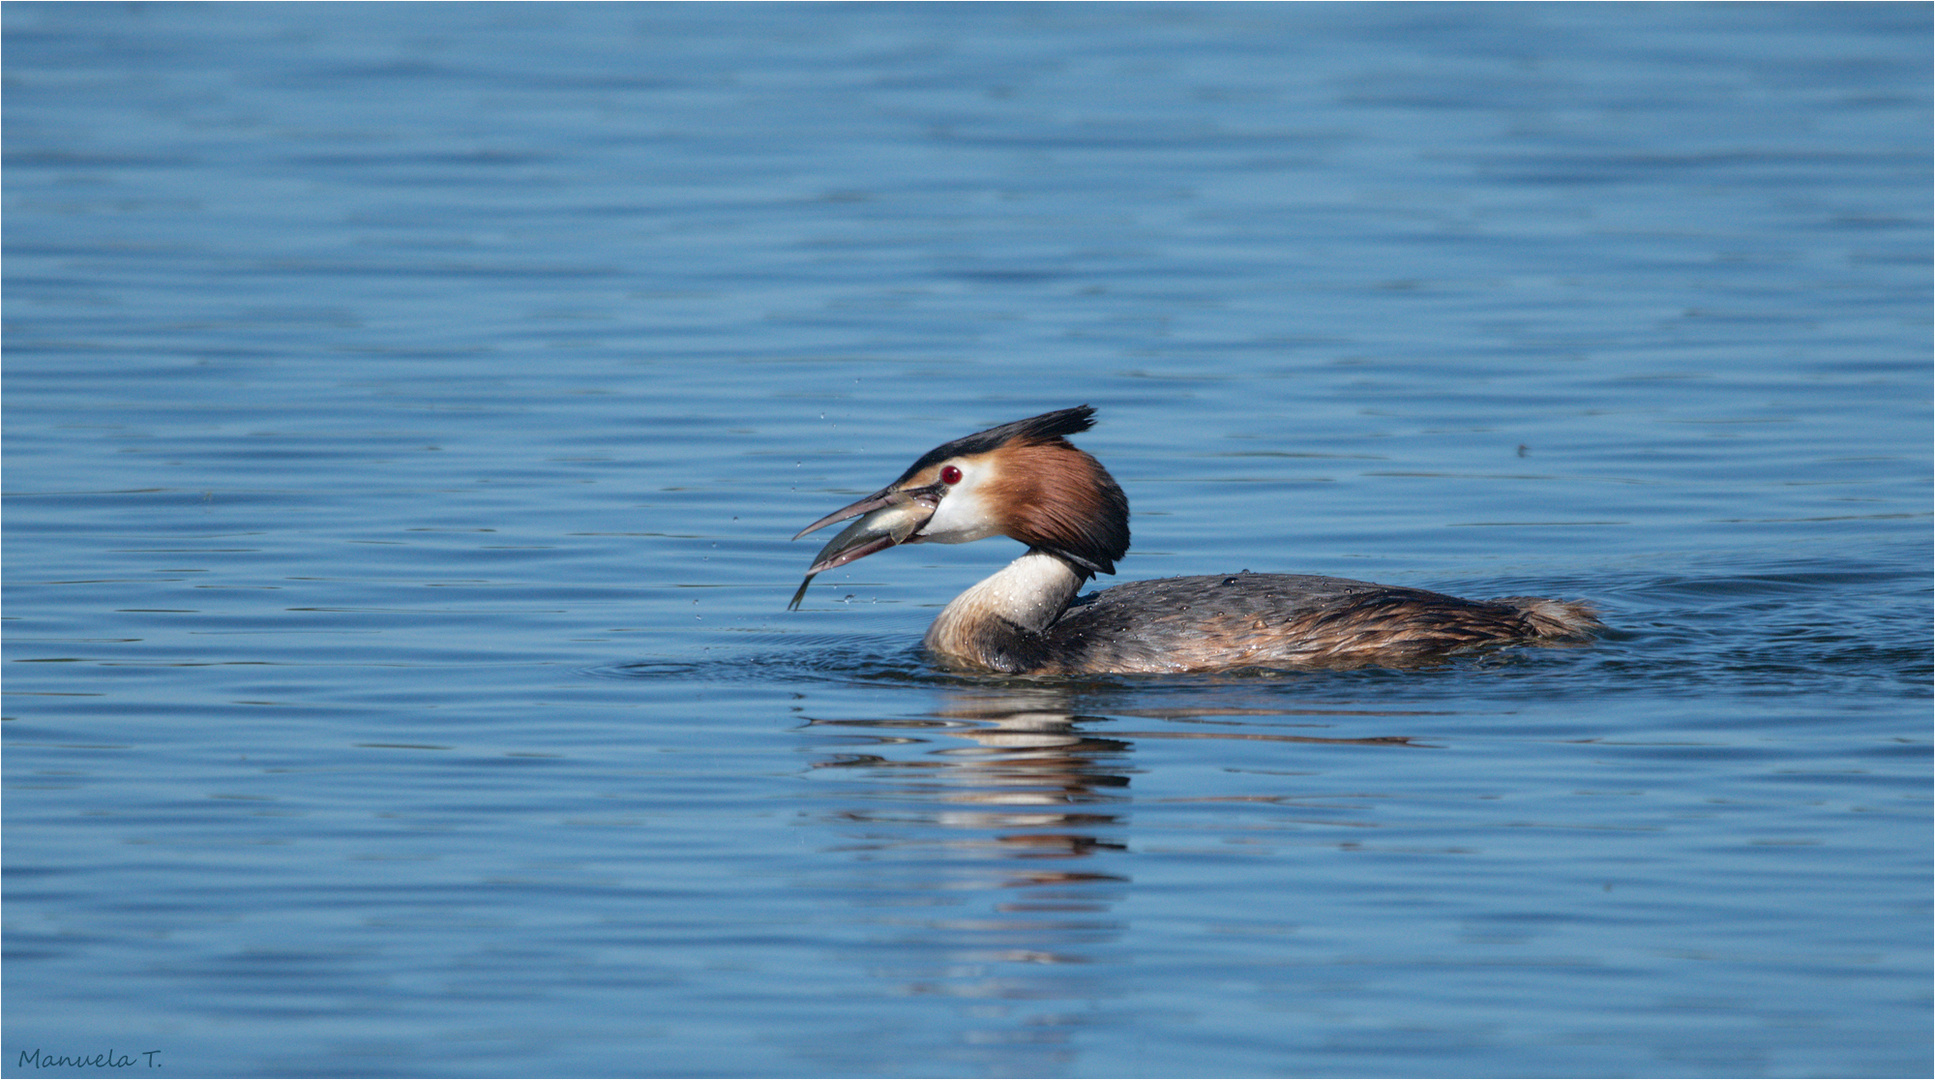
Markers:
(1022, 768)
(1024, 480)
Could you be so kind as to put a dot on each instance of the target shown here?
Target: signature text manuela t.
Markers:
(36, 1059)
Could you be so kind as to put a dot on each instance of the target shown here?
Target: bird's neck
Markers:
(997, 623)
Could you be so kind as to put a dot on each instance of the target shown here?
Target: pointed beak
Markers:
(890, 518)
(875, 501)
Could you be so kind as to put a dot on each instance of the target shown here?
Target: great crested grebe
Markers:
(1024, 480)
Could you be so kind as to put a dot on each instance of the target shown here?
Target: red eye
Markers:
(950, 475)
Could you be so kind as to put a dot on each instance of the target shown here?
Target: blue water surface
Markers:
(407, 408)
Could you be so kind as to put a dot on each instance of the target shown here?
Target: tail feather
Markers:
(1557, 620)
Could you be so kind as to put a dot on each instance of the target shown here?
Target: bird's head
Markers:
(1022, 480)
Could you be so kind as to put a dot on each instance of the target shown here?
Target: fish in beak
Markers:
(887, 518)
(1021, 480)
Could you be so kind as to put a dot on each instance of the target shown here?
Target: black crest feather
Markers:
(1050, 425)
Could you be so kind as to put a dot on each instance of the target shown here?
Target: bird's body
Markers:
(1026, 481)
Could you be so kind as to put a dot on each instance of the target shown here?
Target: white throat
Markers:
(1027, 593)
